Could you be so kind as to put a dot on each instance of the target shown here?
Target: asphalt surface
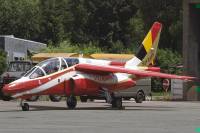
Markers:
(98, 117)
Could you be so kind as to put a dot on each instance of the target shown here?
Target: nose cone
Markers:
(10, 89)
(14, 87)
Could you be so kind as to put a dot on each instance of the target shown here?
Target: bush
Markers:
(169, 61)
(88, 48)
(118, 48)
(68, 47)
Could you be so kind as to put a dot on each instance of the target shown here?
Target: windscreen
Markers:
(71, 61)
(37, 73)
(30, 71)
(50, 66)
(46, 67)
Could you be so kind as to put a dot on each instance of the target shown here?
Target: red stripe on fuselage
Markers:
(32, 83)
(87, 87)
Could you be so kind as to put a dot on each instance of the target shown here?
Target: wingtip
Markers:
(188, 78)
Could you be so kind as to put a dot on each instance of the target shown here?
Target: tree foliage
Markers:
(169, 13)
(19, 18)
(169, 61)
(52, 14)
(112, 25)
(68, 47)
(103, 21)
(2, 61)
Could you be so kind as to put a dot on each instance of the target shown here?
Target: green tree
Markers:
(78, 17)
(52, 16)
(102, 21)
(169, 61)
(113, 25)
(19, 18)
(2, 61)
(68, 47)
(169, 13)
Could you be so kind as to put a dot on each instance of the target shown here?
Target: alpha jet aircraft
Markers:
(73, 77)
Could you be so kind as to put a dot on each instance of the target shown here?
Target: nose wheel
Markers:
(71, 102)
(24, 106)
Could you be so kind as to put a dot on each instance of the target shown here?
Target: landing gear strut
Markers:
(110, 98)
(24, 106)
(71, 102)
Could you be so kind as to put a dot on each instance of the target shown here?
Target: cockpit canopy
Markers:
(51, 66)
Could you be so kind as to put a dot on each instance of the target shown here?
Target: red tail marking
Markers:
(155, 29)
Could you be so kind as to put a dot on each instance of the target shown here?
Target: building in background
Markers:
(18, 49)
(191, 46)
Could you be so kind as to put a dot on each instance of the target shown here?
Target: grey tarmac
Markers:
(98, 117)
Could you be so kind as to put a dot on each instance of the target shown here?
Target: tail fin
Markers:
(147, 51)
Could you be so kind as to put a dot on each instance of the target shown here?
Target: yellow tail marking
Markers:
(147, 43)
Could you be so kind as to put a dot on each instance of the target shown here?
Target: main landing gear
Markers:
(117, 103)
(110, 98)
(71, 102)
(24, 106)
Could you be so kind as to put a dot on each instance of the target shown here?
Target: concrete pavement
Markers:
(98, 117)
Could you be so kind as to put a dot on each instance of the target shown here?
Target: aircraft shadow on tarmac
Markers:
(46, 108)
(129, 107)
(141, 108)
(39, 108)
(105, 107)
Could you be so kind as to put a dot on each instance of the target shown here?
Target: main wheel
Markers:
(55, 98)
(139, 97)
(25, 107)
(33, 98)
(117, 103)
(83, 99)
(71, 102)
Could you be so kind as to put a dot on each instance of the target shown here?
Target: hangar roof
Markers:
(43, 56)
(114, 57)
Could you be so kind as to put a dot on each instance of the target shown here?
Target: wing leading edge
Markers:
(140, 73)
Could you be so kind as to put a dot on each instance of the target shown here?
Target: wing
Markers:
(88, 68)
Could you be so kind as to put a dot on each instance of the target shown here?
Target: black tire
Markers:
(139, 97)
(33, 98)
(25, 107)
(55, 98)
(117, 103)
(83, 99)
(6, 98)
(71, 102)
